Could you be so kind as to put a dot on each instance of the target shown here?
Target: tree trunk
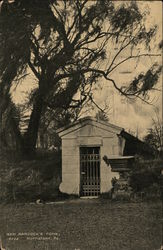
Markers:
(30, 137)
(16, 135)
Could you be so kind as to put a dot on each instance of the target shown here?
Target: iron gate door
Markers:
(90, 171)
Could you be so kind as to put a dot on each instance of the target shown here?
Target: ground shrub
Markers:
(145, 178)
(141, 180)
(29, 180)
(106, 195)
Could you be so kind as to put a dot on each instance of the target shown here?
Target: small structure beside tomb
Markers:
(123, 165)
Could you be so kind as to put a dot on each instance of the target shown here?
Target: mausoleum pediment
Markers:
(89, 126)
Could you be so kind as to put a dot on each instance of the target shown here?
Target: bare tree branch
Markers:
(117, 54)
(129, 58)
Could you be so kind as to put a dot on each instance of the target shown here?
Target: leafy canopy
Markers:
(68, 47)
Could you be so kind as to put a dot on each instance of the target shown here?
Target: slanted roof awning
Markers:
(120, 163)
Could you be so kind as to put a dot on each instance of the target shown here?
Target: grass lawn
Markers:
(86, 224)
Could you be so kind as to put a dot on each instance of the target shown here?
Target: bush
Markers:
(141, 180)
(145, 178)
(106, 195)
(30, 180)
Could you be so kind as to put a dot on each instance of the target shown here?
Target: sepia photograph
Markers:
(81, 125)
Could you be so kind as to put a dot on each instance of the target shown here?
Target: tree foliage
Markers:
(67, 45)
(9, 125)
(154, 135)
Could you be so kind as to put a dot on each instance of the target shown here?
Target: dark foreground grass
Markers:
(82, 225)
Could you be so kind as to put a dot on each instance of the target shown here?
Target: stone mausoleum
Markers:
(84, 144)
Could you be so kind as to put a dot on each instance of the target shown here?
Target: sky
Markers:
(133, 117)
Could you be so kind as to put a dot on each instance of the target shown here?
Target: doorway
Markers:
(89, 171)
